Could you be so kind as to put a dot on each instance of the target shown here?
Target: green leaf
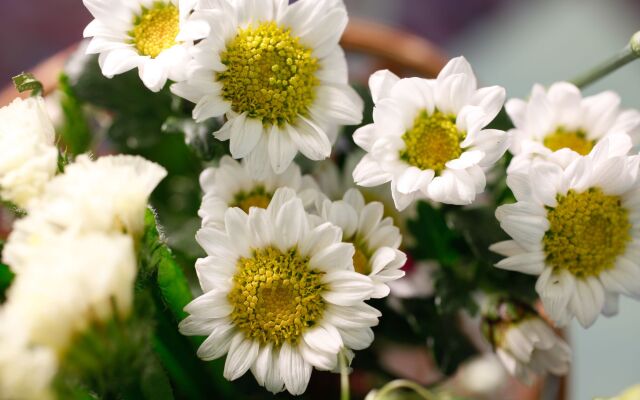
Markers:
(437, 240)
(6, 277)
(74, 131)
(27, 82)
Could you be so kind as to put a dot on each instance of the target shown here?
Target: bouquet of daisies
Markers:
(214, 211)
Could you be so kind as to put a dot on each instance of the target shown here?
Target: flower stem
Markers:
(344, 377)
(405, 384)
(625, 56)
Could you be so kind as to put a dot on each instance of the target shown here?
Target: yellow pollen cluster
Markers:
(276, 296)
(269, 75)
(361, 259)
(155, 30)
(574, 140)
(258, 197)
(587, 232)
(432, 141)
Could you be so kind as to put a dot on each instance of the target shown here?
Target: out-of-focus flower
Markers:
(560, 118)
(577, 227)
(28, 155)
(280, 295)
(376, 239)
(418, 281)
(278, 74)
(141, 34)
(232, 185)
(427, 138)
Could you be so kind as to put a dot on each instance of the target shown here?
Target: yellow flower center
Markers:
(155, 30)
(269, 75)
(574, 140)
(587, 232)
(258, 197)
(276, 296)
(432, 141)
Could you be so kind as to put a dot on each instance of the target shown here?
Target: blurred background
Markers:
(513, 43)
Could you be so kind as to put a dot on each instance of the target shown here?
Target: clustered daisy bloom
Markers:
(428, 137)
(577, 228)
(231, 184)
(560, 118)
(277, 73)
(142, 34)
(280, 295)
(28, 155)
(375, 239)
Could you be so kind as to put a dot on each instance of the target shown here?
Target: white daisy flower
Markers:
(577, 227)
(376, 239)
(28, 155)
(560, 118)
(106, 195)
(231, 184)
(280, 295)
(278, 74)
(60, 274)
(427, 137)
(530, 347)
(140, 34)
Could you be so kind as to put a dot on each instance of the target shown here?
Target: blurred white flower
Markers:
(418, 281)
(140, 34)
(278, 74)
(28, 155)
(560, 118)
(375, 238)
(577, 228)
(280, 295)
(427, 138)
(231, 184)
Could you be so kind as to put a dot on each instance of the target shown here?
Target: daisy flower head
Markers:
(278, 74)
(375, 239)
(141, 34)
(525, 344)
(560, 118)
(427, 137)
(231, 184)
(280, 295)
(28, 155)
(578, 229)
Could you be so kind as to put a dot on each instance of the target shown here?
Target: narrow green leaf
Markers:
(75, 132)
(27, 82)
(6, 277)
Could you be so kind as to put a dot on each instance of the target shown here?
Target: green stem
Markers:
(344, 377)
(405, 384)
(619, 60)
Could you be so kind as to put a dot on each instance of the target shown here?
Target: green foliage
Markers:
(74, 132)
(6, 276)
(27, 82)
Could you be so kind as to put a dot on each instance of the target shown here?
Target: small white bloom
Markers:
(418, 281)
(560, 118)
(529, 347)
(68, 281)
(375, 238)
(231, 184)
(427, 138)
(280, 295)
(28, 155)
(577, 228)
(140, 34)
(278, 74)
(106, 195)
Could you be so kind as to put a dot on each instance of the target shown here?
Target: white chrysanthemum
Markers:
(560, 118)
(531, 347)
(141, 34)
(427, 138)
(277, 72)
(280, 295)
(376, 239)
(232, 185)
(578, 228)
(69, 280)
(106, 195)
(28, 155)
